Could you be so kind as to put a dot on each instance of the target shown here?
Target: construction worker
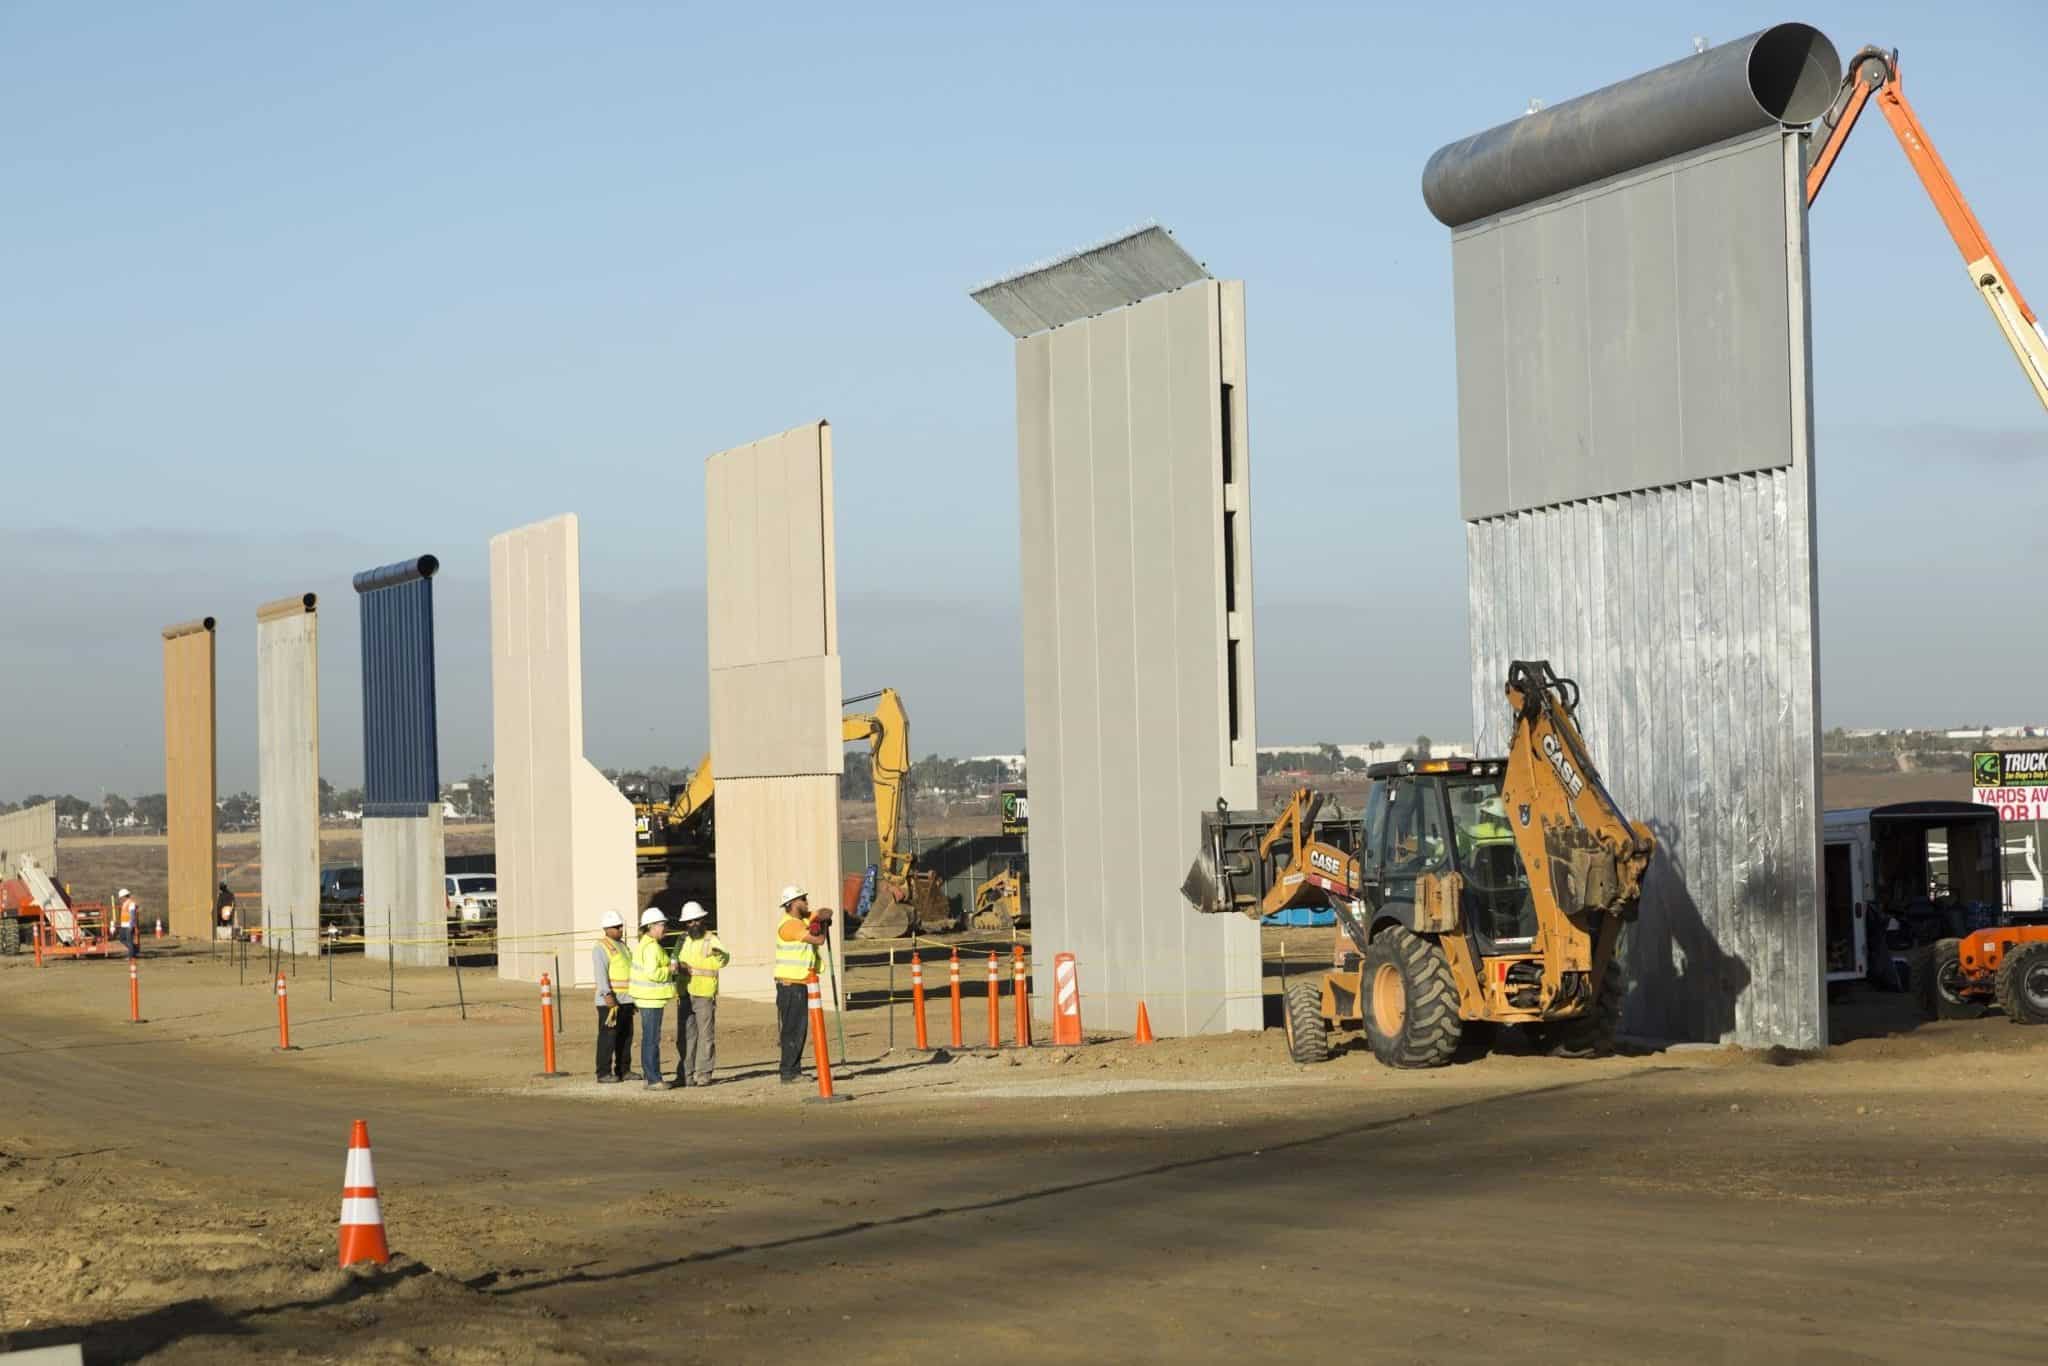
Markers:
(224, 913)
(701, 955)
(796, 958)
(127, 914)
(611, 966)
(652, 986)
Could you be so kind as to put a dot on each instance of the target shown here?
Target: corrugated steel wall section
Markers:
(1686, 613)
(401, 763)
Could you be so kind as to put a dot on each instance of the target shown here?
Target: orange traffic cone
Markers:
(362, 1221)
(1144, 1030)
(159, 927)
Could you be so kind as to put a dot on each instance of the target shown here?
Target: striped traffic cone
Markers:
(362, 1220)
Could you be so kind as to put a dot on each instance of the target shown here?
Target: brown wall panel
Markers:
(189, 777)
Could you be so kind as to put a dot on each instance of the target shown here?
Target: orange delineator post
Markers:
(134, 994)
(39, 942)
(1066, 1000)
(1020, 994)
(362, 1218)
(917, 997)
(957, 1043)
(995, 994)
(547, 1027)
(284, 1018)
(819, 1050)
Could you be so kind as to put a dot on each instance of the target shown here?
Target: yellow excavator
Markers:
(906, 898)
(1483, 893)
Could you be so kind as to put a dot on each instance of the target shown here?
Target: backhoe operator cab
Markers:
(1488, 892)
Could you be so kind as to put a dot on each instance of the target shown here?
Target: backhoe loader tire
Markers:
(2022, 984)
(1409, 1000)
(1591, 1035)
(1308, 1037)
(1937, 981)
(10, 935)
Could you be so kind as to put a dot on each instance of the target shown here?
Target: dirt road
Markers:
(168, 1191)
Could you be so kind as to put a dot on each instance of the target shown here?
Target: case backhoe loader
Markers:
(1483, 892)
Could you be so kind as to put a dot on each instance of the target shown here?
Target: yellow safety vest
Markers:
(653, 981)
(795, 959)
(703, 957)
(618, 967)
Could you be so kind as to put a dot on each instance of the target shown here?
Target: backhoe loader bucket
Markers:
(891, 917)
(1224, 877)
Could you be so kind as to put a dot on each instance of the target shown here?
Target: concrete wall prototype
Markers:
(565, 833)
(189, 778)
(404, 903)
(1132, 452)
(1635, 439)
(288, 769)
(31, 831)
(772, 623)
(404, 900)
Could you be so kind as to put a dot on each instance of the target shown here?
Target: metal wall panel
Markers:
(1685, 605)
(401, 754)
(288, 768)
(1128, 632)
(190, 792)
(1686, 616)
(564, 832)
(31, 831)
(1629, 334)
(772, 633)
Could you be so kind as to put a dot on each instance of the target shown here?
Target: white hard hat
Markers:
(692, 911)
(792, 892)
(124, 892)
(652, 916)
(611, 919)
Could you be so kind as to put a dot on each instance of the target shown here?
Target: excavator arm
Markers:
(887, 731)
(1584, 857)
(1874, 76)
(1262, 874)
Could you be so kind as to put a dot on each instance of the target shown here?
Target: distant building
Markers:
(1379, 754)
(1013, 764)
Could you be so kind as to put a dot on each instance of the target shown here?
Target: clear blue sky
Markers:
(294, 290)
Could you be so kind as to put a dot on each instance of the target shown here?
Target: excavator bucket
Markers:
(890, 916)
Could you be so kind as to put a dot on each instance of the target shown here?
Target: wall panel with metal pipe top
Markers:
(403, 850)
(1785, 74)
(1636, 475)
(401, 766)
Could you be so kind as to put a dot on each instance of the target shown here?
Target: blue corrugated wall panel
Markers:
(401, 760)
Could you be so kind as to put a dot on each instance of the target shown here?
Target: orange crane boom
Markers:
(1874, 75)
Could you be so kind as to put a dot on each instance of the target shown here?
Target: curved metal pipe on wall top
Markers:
(1786, 74)
(391, 575)
(287, 607)
(188, 628)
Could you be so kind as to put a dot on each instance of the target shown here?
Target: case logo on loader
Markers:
(1566, 773)
(1326, 863)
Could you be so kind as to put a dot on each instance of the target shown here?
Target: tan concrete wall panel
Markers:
(190, 777)
(288, 769)
(564, 832)
(774, 687)
(769, 722)
(31, 831)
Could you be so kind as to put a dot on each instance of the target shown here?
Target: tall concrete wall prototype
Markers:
(31, 831)
(1132, 452)
(1635, 453)
(189, 777)
(565, 833)
(288, 768)
(772, 622)
(404, 905)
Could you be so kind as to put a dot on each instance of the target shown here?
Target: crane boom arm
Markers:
(1874, 75)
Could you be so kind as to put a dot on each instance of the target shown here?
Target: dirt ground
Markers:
(168, 1190)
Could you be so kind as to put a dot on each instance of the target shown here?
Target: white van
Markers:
(1895, 877)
